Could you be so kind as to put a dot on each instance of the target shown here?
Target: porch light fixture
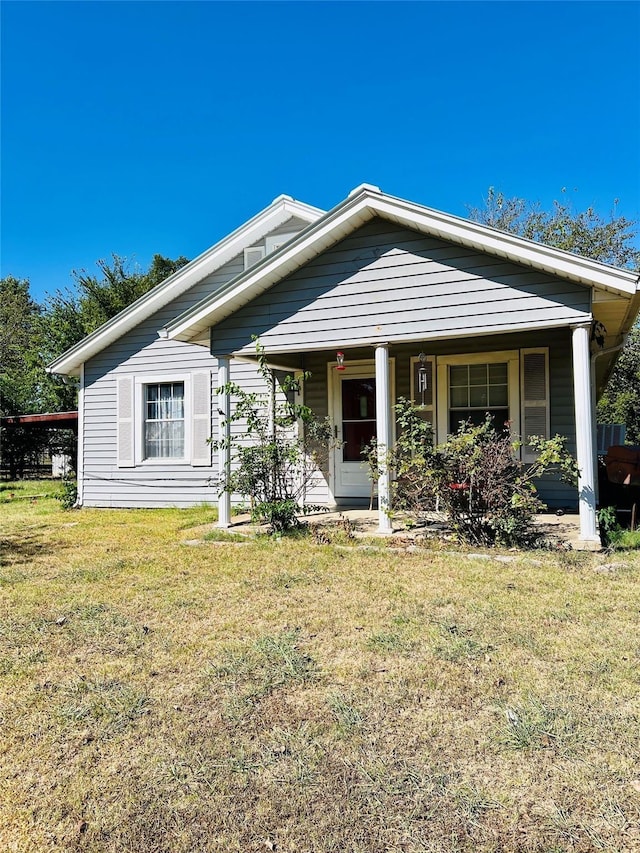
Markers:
(340, 360)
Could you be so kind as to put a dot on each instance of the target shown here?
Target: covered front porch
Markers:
(538, 389)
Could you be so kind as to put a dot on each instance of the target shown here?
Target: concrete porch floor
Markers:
(563, 529)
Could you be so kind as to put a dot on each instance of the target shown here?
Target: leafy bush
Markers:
(613, 535)
(608, 524)
(68, 494)
(283, 445)
(474, 476)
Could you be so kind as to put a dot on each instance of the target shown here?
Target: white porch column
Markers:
(584, 432)
(224, 433)
(383, 428)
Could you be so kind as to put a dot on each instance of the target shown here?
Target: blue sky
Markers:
(149, 127)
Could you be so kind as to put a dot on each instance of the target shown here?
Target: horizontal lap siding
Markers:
(389, 283)
(315, 396)
(555, 493)
(142, 352)
(105, 484)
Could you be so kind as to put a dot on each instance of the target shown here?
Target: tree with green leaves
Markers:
(611, 240)
(278, 463)
(72, 314)
(19, 331)
(620, 403)
(25, 386)
(32, 335)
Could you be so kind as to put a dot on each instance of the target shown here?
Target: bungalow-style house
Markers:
(459, 317)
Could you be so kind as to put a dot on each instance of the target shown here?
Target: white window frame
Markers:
(140, 417)
(512, 359)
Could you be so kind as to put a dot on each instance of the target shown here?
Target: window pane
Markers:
(477, 417)
(498, 395)
(164, 426)
(358, 399)
(356, 437)
(477, 374)
(485, 391)
(498, 374)
(459, 397)
(478, 396)
(459, 375)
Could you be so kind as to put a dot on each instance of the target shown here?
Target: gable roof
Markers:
(367, 202)
(280, 211)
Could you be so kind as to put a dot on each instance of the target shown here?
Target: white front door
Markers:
(354, 416)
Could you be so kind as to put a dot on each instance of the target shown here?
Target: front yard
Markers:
(164, 697)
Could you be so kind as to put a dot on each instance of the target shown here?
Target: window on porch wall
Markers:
(512, 386)
(472, 385)
(478, 390)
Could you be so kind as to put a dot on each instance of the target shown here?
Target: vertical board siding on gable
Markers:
(389, 282)
(291, 226)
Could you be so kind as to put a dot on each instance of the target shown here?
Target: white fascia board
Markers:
(279, 211)
(356, 210)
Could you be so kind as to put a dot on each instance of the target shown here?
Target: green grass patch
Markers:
(298, 695)
(224, 536)
(626, 540)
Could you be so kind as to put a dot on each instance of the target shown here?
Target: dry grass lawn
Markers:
(163, 697)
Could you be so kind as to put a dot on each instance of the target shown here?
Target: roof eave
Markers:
(367, 204)
(277, 213)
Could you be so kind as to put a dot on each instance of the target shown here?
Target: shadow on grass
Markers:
(19, 549)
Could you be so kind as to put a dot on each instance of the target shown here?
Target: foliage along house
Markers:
(457, 316)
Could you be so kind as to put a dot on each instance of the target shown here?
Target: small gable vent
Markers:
(273, 242)
(252, 256)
